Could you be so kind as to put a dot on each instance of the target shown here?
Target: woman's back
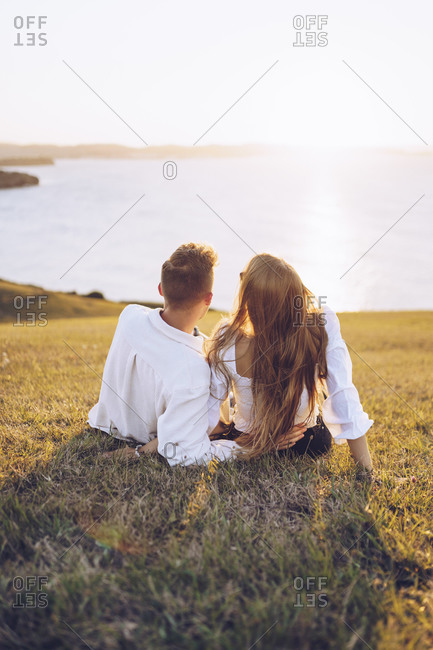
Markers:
(238, 360)
(244, 356)
(274, 352)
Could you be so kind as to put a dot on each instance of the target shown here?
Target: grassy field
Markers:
(275, 553)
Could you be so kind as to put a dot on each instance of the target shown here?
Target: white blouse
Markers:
(342, 411)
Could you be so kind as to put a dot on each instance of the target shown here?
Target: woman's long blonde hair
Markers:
(289, 341)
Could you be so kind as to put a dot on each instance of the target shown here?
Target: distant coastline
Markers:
(26, 161)
(10, 180)
(44, 154)
(31, 152)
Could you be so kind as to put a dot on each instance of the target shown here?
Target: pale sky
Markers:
(170, 69)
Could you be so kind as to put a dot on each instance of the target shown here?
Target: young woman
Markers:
(279, 353)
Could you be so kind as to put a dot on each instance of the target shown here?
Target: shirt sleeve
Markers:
(342, 410)
(183, 431)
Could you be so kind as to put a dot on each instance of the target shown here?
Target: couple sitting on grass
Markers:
(279, 355)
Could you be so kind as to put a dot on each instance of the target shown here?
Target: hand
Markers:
(125, 453)
(149, 447)
(291, 437)
(219, 431)
(128, 453)
(367, 474)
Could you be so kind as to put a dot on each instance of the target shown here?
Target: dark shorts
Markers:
(317, 440)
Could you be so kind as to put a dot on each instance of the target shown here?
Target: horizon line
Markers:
(216, 145)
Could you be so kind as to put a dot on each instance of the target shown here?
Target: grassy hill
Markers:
(26, 304)
(143, 556)
(28, 299)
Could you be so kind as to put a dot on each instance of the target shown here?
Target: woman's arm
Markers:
(360, 451)
(342, 410)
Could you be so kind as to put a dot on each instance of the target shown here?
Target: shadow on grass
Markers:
(122, 566)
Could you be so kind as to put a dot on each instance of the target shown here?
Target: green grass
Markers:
(144, 556)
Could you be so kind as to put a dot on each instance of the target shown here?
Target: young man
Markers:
(156, 380)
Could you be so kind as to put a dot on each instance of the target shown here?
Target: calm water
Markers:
(320, 210)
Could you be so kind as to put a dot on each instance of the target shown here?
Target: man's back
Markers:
(148, 360)
(156, 381)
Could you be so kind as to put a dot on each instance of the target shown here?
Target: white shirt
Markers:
(341, 411)
(156, 382)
